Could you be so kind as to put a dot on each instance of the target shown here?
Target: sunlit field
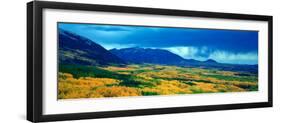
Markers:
(78, 81)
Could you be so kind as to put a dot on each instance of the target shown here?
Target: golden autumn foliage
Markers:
(206, 87)
(115, 91)
(70, 87)
(169, 87)
(163, 74)
(152, 80)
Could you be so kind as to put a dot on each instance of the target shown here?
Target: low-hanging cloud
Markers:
(203, 53)
(116, 46)
(186, 52)
(235, 58)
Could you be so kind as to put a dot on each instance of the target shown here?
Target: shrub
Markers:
(148, 93)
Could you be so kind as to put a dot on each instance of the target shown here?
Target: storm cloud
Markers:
(226, 46)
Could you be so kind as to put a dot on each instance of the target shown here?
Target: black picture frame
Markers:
(35, 69)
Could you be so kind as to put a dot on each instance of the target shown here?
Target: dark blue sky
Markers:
(226, 46)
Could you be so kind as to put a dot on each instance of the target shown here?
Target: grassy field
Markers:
(144, 80)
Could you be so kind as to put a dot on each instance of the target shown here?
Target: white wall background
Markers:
(13, 61)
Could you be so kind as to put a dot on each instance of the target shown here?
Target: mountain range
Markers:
(138, 55)
(75, 49)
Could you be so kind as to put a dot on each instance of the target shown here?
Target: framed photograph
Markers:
(96, 61)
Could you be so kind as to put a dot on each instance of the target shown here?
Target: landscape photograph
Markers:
(106, 61)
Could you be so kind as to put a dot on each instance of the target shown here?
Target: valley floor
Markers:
(76, 81)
